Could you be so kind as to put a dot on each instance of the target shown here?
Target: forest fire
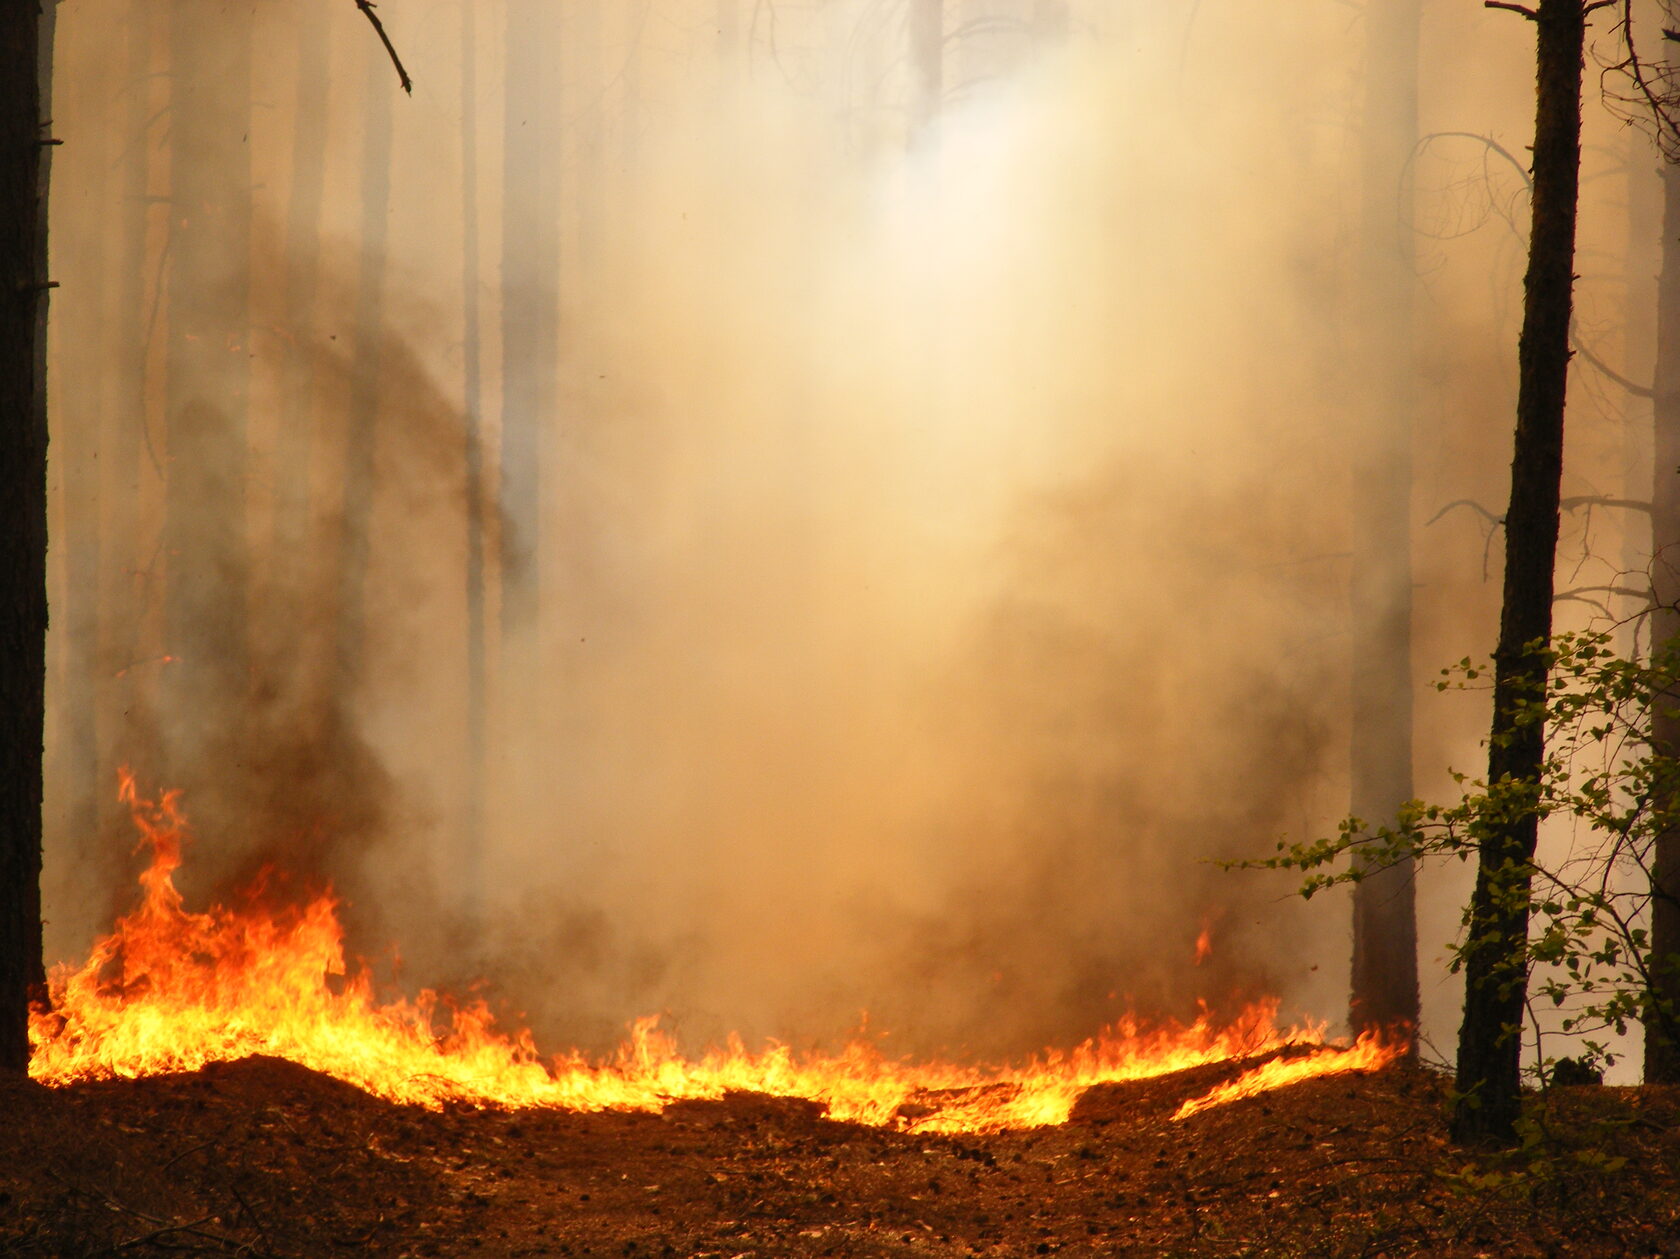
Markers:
(170, 990)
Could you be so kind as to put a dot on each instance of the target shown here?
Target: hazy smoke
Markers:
(944, 538)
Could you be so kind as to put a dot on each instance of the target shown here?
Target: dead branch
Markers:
(1634, 387)
(1473, 505)
(1600, 500)
(367, 8)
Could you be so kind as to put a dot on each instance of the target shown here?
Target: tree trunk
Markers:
(1495, 951)
(298, 397)
(207, 383)
(530, 301)
(472, 350)
(363, 414)
(75, 781)
(1384, 993)
(128, 701)
(25, 78)
(1662, 1046)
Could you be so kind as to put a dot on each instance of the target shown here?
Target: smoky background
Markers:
(667, 520)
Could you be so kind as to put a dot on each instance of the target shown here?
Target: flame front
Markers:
(170, 990)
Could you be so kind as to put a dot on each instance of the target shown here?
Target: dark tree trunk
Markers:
(25, 77)
(1384, 993)
(1495, 951)
(1662, 1046)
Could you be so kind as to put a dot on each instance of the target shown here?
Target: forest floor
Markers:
(261, 1157)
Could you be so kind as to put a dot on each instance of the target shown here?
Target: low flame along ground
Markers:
(171, 990)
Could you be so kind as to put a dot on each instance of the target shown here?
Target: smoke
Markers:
(942, 554)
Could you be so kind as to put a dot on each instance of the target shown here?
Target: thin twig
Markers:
(367, 7)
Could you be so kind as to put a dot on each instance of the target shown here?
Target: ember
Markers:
(172, 990)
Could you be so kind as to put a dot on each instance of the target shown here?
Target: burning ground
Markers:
(221, 1081)
(263, 1157)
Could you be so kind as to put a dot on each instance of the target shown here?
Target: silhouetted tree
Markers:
(530, 295)
(363, 414)
(298, 399)
(1662, 1051)
(25, 93)
(1384, 990)
(1489, 1097)
(207, 562)
(472, 368)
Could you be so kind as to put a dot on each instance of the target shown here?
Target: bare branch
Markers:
(1473, 505)
(1655, 95)
(1632, 386)
(1599, 500)
(367, 7)
(1527, 12)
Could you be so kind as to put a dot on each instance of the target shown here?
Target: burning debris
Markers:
(172, 990)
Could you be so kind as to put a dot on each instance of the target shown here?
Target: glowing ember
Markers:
(171, 990)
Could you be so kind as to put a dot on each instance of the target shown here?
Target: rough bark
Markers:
(1495, 950)
(1384, 989)
(25, 67)
(1662, 1047)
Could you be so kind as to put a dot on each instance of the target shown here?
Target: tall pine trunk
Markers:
(127, 702)
(362, 418)
(207, 386)
(1662, 1043)
(1384, 990)
(299, 400)
(75, 781)
(25, 77)
(472, 368)
(1489, 1098)
(530, 304)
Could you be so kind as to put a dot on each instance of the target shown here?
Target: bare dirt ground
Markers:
(263, 1158)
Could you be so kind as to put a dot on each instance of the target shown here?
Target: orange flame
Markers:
(170, 990)
(1368, 1053)
(1204, 945)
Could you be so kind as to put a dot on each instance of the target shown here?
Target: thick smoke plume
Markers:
(942, 554)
